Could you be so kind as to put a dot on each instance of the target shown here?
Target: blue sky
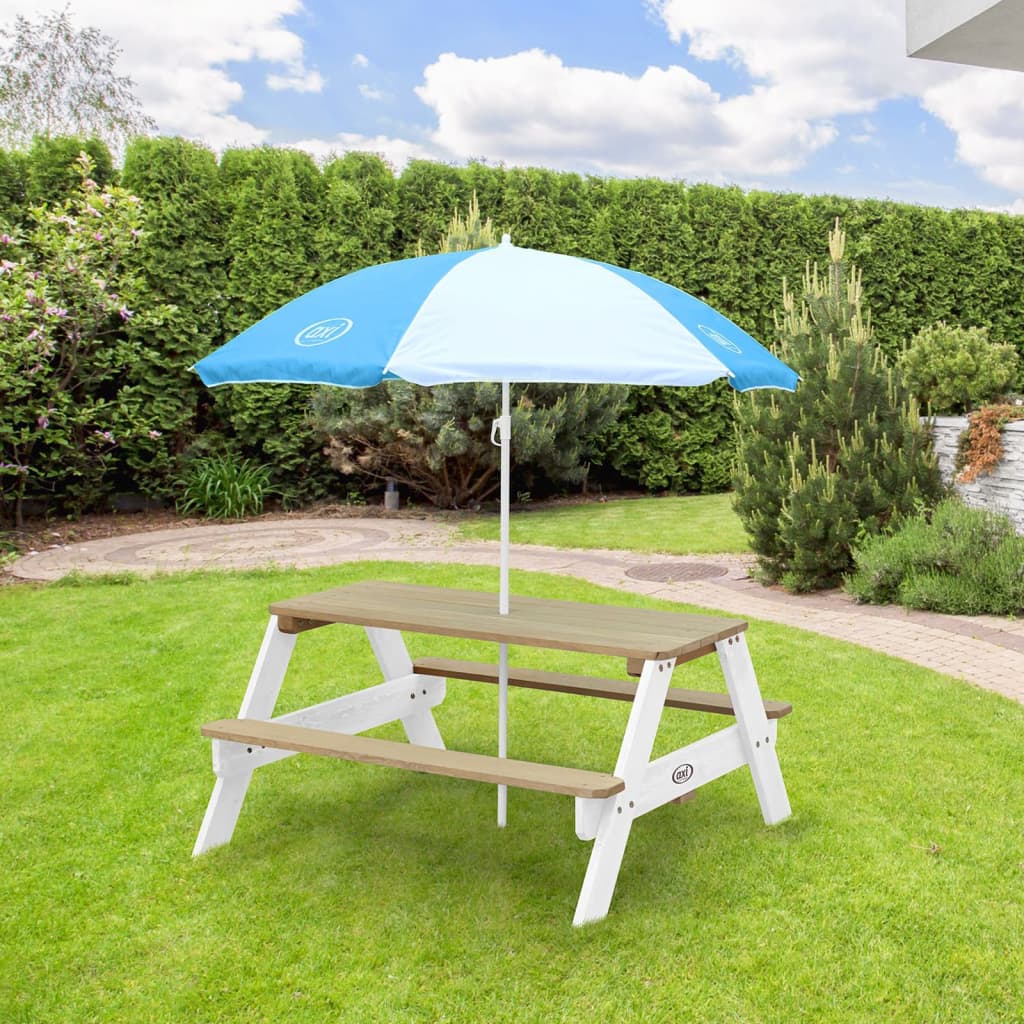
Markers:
(778, 95)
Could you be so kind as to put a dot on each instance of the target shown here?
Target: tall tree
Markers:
(56, 79)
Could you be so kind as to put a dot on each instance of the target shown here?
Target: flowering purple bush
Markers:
(64, 301)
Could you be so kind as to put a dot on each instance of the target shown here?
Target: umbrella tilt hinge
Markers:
(501, 429)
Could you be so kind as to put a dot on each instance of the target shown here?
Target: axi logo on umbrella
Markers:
(323, 331)
(710, 332)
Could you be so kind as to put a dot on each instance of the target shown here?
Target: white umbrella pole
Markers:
(505, 428)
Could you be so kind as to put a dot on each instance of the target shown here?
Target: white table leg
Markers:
(393, 657)
(756, 737)
(619, 811)
(233, 782)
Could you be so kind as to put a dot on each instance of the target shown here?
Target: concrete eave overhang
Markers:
(980, 32)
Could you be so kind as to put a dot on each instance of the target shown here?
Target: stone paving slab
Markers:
(985, 650)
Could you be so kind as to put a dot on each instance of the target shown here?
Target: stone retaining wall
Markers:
(1001, 490)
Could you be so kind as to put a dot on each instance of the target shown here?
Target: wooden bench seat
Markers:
(589, 686)
(548, 778)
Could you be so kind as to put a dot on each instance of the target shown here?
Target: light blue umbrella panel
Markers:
(500, 314)
(503, 313)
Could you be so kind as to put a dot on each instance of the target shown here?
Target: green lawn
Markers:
(360, 894)
(695, 525)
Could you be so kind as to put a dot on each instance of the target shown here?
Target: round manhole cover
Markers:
(676, 572)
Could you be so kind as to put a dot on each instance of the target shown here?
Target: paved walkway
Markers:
(985, 650)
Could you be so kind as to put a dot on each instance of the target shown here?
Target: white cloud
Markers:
(177, 57)
(531, 108)
(823, 59)
(360, 60)
(985, 110)
(832, 58)
(369, 93)
(301, 81)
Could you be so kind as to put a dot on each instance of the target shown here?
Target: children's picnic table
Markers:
(607, 803)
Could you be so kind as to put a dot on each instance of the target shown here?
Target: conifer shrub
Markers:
(952, 370)
(820, 469)
(273, 203)
(960, 560)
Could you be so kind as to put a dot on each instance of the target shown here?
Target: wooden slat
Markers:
(639, 633)
(548, 778)
(588, 686)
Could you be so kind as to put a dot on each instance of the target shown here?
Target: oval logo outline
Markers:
(682, 774)
(323, 331)
(719, 339)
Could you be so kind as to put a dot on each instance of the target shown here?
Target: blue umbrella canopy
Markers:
(498, 314)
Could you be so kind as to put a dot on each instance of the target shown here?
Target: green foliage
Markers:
(437, 441)
(834, 462)
(674, 439)
(961, 561)
(358, 215)
(224, 487)
(466, 233)
(180, 265)
(13, 175)
(52, 168)
(428, 195)
(65, 296)
(951, 370)
(222, 246)
(272, 200)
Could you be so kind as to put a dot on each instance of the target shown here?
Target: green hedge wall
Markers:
(227, 242)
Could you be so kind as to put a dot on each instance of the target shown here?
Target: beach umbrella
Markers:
(503, 314)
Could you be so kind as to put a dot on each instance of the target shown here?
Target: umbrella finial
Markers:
(506, 239)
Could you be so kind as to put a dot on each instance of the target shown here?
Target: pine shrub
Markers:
(820, 469)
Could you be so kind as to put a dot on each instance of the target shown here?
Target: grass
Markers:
(695, 525)
(358, 894)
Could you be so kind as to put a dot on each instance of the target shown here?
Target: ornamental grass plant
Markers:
(225, 487)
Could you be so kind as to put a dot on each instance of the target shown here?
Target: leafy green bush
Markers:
(223, 487)
(963, 561)
(66, 297)
(952, 370)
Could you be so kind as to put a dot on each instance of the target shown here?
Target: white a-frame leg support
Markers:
(390, 701)
(652, 784)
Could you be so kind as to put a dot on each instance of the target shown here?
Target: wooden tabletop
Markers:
(533, 622)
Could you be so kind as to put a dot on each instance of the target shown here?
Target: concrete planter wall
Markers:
(1000, 491)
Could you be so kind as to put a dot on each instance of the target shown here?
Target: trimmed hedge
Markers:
(227, 242)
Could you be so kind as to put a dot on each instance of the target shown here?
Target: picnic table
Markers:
(652, 642)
